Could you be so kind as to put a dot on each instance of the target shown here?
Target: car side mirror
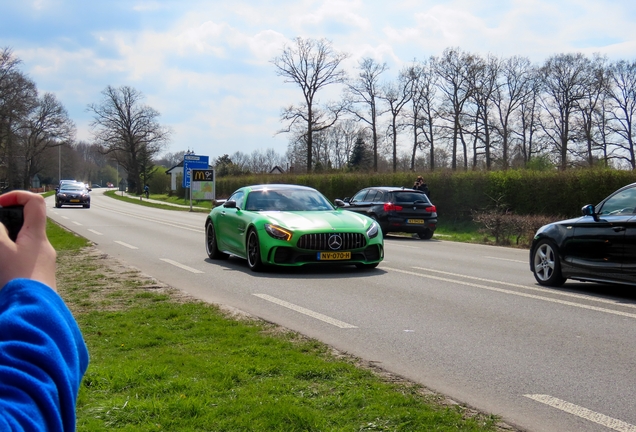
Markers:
(589, 210)
(230, 204)
(339, 203)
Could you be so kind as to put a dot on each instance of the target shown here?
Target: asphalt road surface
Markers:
(465, 320)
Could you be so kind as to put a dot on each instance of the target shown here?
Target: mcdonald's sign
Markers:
(202, 175)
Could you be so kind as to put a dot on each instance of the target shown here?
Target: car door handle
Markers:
(619, 228)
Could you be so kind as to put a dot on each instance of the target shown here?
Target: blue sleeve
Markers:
(43, 358)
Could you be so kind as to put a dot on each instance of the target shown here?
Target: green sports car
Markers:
(290, 225)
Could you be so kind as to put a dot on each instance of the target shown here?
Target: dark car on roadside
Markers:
(396, 209)
(599, 246)
(73, 193)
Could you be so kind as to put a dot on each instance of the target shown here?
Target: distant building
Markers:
(276, 170)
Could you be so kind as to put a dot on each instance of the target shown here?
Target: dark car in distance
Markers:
(72, 193)
(599, 246)
(396, 209)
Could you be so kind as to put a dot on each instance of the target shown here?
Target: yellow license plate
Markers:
(333, 256)
(74, 200)
(415, 221)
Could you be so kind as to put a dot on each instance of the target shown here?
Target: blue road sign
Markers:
(191, 162)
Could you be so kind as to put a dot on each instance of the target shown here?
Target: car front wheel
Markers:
(211, 245)
(546, 265)
(254, 251)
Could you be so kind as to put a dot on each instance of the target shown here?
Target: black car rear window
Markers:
(409, 197)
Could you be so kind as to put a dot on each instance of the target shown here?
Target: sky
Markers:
(206, 65)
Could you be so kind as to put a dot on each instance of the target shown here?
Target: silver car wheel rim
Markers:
(544, 262)
(210, 236)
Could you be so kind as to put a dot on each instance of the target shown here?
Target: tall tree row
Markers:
(460, 110)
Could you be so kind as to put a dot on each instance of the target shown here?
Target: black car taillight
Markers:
(392, 207)
(431, 209)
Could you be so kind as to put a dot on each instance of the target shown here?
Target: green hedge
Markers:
(457, 194)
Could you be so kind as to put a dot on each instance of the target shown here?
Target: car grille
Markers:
(320, 242)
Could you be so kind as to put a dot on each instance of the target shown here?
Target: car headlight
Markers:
(278, 232)
(373, 230)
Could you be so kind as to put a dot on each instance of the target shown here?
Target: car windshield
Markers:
(287, 200)
(72, 187)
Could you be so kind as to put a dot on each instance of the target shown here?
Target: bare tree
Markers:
(514, 86)
(423, 115)
(312, 65)
(455, 68)
(483, 82)
(364, 91)
(396, 95)
(48, 125)
(622, 93)
(128, 131)
(565, 81)
(18, 97)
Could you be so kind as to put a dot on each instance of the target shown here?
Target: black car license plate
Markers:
(415, 221)
(333, 256)
(74, 200)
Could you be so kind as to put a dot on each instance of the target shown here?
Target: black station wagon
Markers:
(396, 209)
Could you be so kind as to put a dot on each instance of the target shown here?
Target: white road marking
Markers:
(579, 411)
(307, 312)
(507, 259)
(544, 290)
(77, 223)
(126, 244)
(64, 217)
(182, 266)
(505, 291)
(95, 232)
(159, 221)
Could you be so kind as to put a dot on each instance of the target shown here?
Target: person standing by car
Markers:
(421, 186)
(44, 356)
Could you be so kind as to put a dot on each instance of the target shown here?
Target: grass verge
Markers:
(197, 207)
(163, 361)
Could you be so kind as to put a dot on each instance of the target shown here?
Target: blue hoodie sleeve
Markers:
(43, 358)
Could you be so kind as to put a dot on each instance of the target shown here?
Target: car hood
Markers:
(561, 222)
(318, 220)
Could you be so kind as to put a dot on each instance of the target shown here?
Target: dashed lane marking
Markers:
(305, 311)
(126, 244)
(579, 411)
(95, 232)
(181, 266)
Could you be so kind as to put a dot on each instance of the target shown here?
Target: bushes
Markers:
(509, 228)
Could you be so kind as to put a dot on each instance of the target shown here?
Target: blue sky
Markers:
(206, 65)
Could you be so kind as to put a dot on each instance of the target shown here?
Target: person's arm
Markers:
(42, 354)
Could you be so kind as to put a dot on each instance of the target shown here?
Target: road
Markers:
(465, 320)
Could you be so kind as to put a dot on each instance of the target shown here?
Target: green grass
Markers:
(163, 362)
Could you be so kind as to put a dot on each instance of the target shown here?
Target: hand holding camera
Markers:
(25, 251)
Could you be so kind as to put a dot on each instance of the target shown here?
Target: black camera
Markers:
(12, 217)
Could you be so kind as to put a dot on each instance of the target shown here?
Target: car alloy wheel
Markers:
(545, 264)
(426, 234)
(253, 251)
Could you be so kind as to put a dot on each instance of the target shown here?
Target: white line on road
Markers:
(544, 290)
(307, 312)
(520, 294)
(181, 266)
(609, 422)
(95, 232)
(126, 244)
(64, 217)
(77, 223)
(507, 259)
